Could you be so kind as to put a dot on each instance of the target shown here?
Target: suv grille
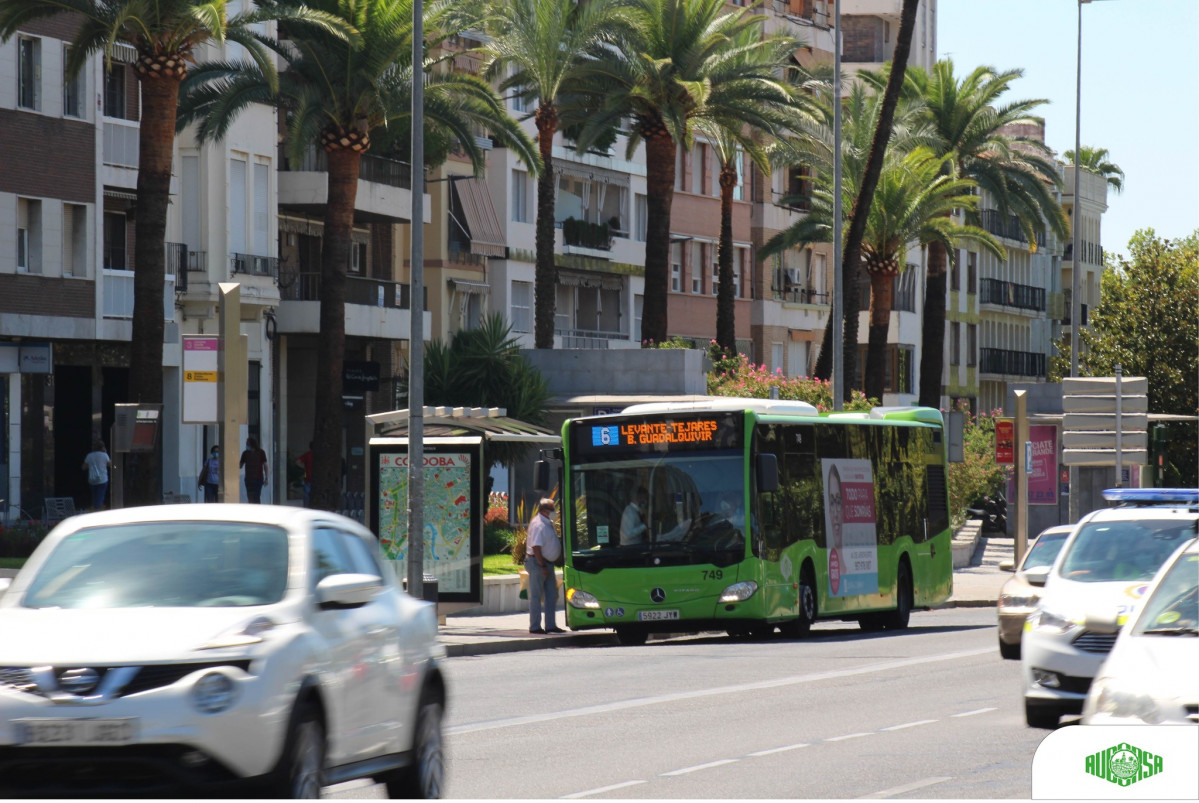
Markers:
(153, 676)
(1095, 642)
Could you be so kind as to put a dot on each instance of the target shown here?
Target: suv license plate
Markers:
(67, 732)
(656, 616)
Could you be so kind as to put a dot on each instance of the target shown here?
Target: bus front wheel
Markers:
(801, 626)
(628, 637)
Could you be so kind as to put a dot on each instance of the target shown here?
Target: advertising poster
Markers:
(849, 522)
(1005, 441)
(447, 492)
(1042, 480)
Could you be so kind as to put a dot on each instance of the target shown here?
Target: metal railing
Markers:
(361, 290)
(1013, 363)
(1007, 226)
(803, 295)
(588, 339)
(1066, 320)
(1092, 253)
(254, 265)
(1010, 294)
(376, 169)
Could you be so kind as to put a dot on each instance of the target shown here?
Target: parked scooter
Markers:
(992, 511)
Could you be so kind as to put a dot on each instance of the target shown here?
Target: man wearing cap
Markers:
(542, 549)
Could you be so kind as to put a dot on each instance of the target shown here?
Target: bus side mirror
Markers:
(541, 475)
(767, 473)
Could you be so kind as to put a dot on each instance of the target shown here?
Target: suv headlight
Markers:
(1111, 698)
(739, 592)
(214, 693)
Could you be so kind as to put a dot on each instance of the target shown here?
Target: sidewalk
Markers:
(974, 586)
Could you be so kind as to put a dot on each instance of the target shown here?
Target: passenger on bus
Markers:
(632, 522)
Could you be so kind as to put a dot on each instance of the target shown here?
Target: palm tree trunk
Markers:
(335, 259)
(545, 287)
(726, 315)
(659, 186)
(874, 168)
(881, 302)
(156, 140)
(932, 349)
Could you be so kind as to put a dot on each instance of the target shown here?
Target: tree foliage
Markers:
(978, 474)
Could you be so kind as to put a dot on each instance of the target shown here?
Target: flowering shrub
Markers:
(20, 538)
(675, 342)
(734, 375)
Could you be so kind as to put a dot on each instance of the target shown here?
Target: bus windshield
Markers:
(681, 508)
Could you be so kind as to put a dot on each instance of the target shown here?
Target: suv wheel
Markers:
(301, 772)
(424, 778)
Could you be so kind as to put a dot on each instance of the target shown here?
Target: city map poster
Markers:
(849, 523)
(448, 494)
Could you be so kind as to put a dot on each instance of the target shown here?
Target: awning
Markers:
(486, 233)
(124, 195)
(469, 288)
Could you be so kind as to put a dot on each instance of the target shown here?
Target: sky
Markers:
(1140, 91)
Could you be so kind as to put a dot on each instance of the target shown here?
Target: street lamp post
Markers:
(837, 366)
(416, 312)
(1075, 258)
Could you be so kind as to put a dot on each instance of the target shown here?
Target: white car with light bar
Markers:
(1152, 674)
(204, 650)
(1094, 584)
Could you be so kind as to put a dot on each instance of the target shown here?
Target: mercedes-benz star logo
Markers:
(79, 681)
(657, 595)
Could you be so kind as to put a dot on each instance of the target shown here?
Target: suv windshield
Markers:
(1173, 610)
(1044, 551)
(164, 564)
(1107, 551)
(675, 509)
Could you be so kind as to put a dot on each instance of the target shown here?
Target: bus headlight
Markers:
(581, 599)
(739, 592)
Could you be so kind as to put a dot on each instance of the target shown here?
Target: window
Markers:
(520, 196)
(564, 308)
(29, 235)
(114, 241)
(679, 164)
(776, 356)
(971, 344)
(638, 307)
(114, 91)
(697, 268)
(72, 89)
(357, 257)
(699, 155)
(237, 206)
(955, 343)
(955, 273)
(29, 73)
(522, 306)
(360, 555)
(676, 267)
(739, 190)
(642, 211)
(738, 267)
(328, 555)
(261, 219)
(897, 363)
(715, 285)
(971, 272)
(74, 240)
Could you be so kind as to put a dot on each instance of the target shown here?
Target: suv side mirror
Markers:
(1037, 576)
(347, 590)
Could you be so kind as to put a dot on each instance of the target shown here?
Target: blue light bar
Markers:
(1153, 496)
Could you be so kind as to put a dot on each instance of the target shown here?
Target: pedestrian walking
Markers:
(97, 465)
(253, 460)
(542, 550)
(210, 474)
(304, 461)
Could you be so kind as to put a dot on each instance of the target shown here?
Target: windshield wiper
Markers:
(1171, 631)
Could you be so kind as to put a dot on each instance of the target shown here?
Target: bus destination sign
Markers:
(638, 434)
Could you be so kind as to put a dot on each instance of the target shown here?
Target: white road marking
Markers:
(908, 787)
(777, 683)
(601, 790)
(698, 767)
(774, 750)
(972, 713)
(847, 736)
(909, 725)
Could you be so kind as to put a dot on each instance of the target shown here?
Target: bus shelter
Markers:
(458, 442)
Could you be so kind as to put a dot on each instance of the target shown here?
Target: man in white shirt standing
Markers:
(542, 549)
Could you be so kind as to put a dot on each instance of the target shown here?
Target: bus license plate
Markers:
(68, 732)
(656, 616)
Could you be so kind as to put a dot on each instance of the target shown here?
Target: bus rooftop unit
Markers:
(746, 515)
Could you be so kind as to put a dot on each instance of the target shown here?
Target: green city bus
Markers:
(746, 515)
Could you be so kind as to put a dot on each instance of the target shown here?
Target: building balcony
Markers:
(1092, 253)
(384, 187)
(375, 308)
(588, 339)
(1010, 294)
(1011, 363)
(586, 235)
(253, 265)
(1007, 226)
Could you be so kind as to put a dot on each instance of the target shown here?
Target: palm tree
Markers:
(1017, 173)
(166, 35)
(543, 43)
(346, 94)
(729, 143)
(686, 62)
(1096, 160)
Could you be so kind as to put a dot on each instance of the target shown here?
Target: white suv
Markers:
(1094, 584)
(212, 649)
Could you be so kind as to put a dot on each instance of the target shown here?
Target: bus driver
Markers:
(632, 521)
